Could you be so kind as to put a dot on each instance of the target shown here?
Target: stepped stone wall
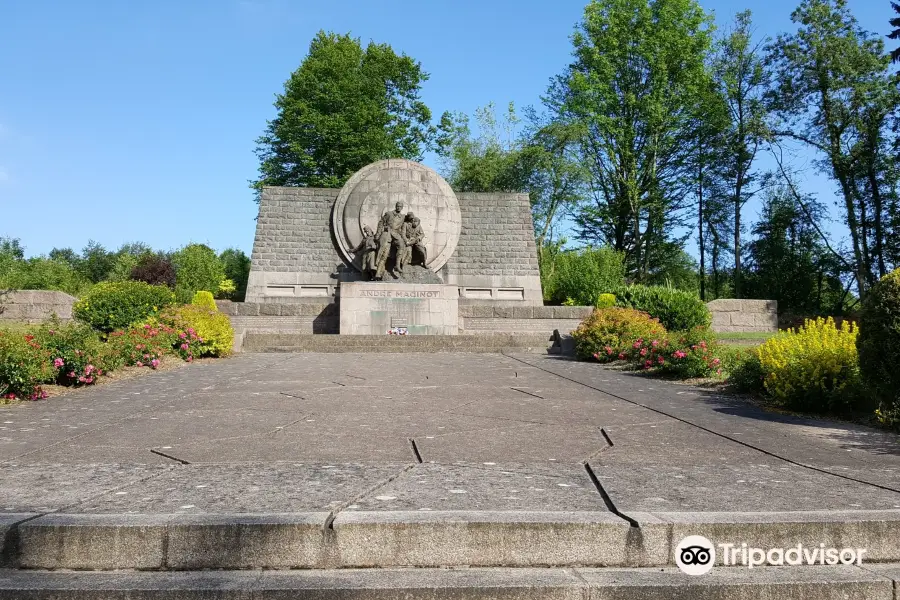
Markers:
(295, 257)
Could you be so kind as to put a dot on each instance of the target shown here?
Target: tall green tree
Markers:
(630, 91)
(741, 75)
(821, 76)
(346, 106)
(895, 33)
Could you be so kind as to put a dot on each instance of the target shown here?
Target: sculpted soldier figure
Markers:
(391, 237)
(368, 246)
(414, 237)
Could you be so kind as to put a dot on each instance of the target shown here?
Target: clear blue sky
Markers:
(125, 121)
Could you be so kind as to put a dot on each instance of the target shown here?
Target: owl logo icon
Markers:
(695, 555)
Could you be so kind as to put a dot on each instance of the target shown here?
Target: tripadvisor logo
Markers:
(696, 555)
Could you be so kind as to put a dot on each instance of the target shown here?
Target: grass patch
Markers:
(742, 339)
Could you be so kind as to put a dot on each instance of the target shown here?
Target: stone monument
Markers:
(394, 249)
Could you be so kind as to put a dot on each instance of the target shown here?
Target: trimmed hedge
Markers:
(677, 310)
(116, 305)
(608, 333)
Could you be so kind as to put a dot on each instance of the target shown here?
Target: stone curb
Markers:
(876, 531)
(501, 538)
(423, 539)
(822, 583)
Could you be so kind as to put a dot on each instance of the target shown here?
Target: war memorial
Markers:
(319, 463)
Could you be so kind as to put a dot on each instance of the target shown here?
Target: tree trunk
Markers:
(879, 212)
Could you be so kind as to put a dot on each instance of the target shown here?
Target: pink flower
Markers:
(636, 345)
(608, 350)
(186, 346)
(621, 356)
(660, 360)
(139, 364)
(703, 345)
(654, 343)
(154, 363)
(648, 364)
(679, 354)
(57, 363)
(88, 369)
(182, 335)
(643, 352)
(71, 374)
(190, 358)
(716, 361)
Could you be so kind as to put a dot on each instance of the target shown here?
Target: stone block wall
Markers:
(486, 319)
(295, 259)
(34, 306)
(496, 259)
(745, 316)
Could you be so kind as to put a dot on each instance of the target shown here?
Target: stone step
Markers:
(810, 583)
(296, 342)
(425, 539)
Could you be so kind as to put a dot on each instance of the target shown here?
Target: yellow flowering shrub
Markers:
(606, 300)
(207, 332)
(814, 367)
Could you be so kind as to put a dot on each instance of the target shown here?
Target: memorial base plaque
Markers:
(369, 308)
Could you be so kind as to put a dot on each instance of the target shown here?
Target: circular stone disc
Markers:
(376, 188)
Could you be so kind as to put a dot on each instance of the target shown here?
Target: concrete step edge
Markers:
(421, 539)
(813, 583)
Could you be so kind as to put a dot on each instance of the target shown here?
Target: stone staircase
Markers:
(433, 555)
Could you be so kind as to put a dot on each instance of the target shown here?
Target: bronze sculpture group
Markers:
(399, 235)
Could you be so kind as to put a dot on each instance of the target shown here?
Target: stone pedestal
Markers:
(423, 309)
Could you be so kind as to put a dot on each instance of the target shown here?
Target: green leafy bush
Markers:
(197, 267)
(581, 275)
(608, 333)
(205, 332)
(116, 305)
(745, 372)
(205, 300)
(879, 346)
(24, 365)
(677, 310)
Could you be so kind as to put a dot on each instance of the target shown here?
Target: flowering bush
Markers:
(116, 305)
(78, 356)
(813, 368)
(206, 332)
(143, 346)
(610, 332)
(878, 344)
(695, 353)
(677, 310)
(24, 365)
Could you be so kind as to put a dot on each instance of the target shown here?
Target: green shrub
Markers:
(581, 275)
(690, 354)
(745, 372)
(606, 300)
(814, 368)
(24, 365)
(608, 333)
(197, 268)
(41, 273)
(116, 305)
(879, 346)
(677, 310)
(205, 300)
(76, 352)
(205, 332)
